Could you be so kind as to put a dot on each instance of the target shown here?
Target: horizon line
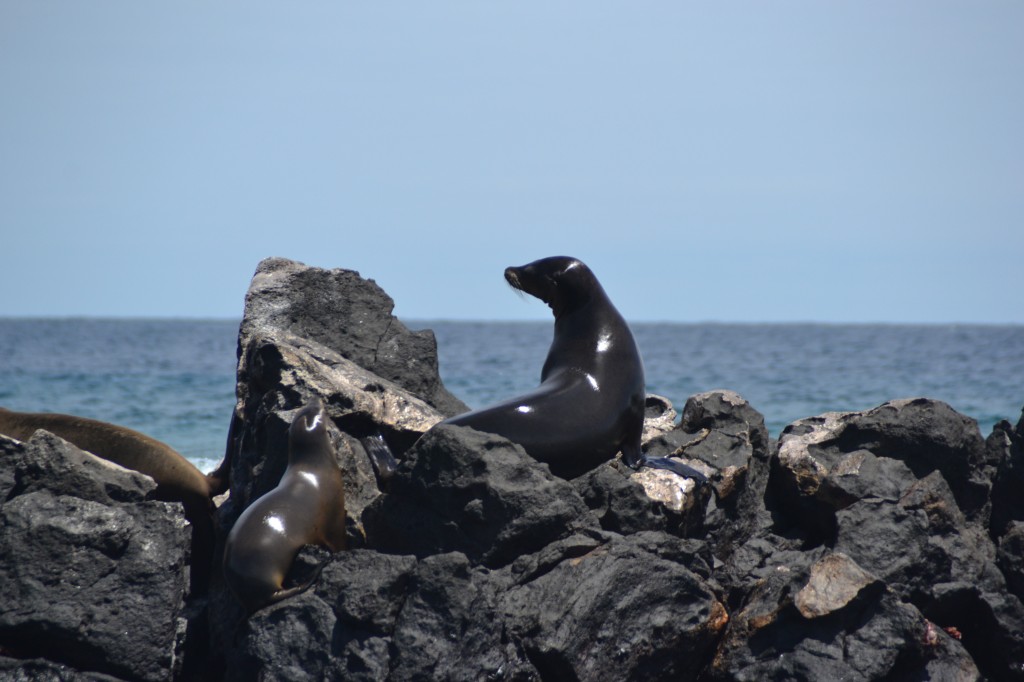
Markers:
(470, 320)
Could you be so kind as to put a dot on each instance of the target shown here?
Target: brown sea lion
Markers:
(177, 479)
(306, 508)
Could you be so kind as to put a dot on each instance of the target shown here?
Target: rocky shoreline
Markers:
(886, 544)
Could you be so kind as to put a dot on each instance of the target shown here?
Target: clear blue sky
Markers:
(731, 161)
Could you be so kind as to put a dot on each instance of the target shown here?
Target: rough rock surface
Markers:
(477, 493)
(869, 634)
(886, 544)
(1006, 448)
(341, 310)
(93, 575)
(284, 372)
(721, 433)
(903, 491)
(310, 332)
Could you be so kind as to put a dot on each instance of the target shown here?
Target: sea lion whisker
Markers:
(512, 278)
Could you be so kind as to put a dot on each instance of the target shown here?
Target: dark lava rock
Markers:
(902, 490)
(721, 430)
(580, 609)
(475, 493)
(617, 612)
(829, 619)
(1010, 558)
(376, 616)
(329, 334)
(1006, 448)
(350, 315)
(42, 670)
(621, 504)
(878, 545)
(450, 626)
(820, 459)
(93, 575)
(928, 435)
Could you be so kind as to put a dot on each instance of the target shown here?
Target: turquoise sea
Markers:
(174, 379)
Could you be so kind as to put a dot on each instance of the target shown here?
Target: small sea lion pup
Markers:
(590, 402)
(306, 508)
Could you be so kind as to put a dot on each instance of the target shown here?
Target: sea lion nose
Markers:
(512, 277)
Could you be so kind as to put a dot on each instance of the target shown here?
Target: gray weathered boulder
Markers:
(903, 491)
(721, 433)
(475, 493)
(619, 611)
(93, 574)
(820, 616)
(308, 332)
(351, 315)
(284, 372)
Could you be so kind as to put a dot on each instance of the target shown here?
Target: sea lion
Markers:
(590, 402)
(177, 479)
(306, 508)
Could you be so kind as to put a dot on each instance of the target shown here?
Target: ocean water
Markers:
(174, 379)
(786, 371)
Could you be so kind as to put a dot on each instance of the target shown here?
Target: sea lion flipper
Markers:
(383, 461)
(675, 466)
(286, 592)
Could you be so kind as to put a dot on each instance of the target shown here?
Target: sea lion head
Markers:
(562, 282)
(308, 432)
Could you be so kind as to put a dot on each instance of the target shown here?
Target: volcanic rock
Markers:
(721, 434)
(1006, 449)
(351, 315)
(93, 574)
(886, 544)
(476, 493)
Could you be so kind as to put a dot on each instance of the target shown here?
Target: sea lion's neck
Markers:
(582, 335)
